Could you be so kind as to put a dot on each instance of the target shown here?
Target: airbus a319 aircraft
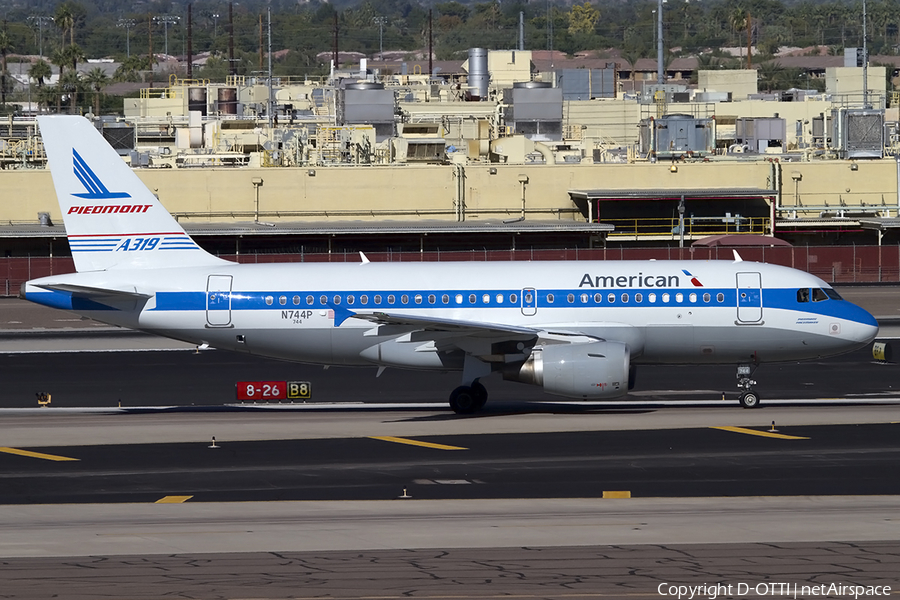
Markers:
(576, 329)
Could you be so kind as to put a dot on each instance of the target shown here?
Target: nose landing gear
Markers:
(749, 398)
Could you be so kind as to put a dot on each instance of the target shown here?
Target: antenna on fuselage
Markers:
(737, 257)
(363, 258)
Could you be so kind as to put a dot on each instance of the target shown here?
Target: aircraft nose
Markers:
(863, 326)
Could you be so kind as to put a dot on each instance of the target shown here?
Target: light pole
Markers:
(127, 24)
(215, 17)
(660, 75)
(166, 20)
(40, 20)
(380, 21)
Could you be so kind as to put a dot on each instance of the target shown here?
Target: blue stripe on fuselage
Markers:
(783, 299)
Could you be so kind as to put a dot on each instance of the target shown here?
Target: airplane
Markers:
(577, 329)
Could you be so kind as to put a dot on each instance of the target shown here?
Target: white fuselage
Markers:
(665, 311)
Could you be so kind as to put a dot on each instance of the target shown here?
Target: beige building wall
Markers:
(488, 191)
(848, 81)
(831, 185)
(740, 82)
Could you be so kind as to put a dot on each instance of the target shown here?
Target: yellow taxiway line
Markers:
(173, 499)
(400, 440)
(31, 454)
(768, 434)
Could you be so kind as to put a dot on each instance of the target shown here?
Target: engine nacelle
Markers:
(598, 370)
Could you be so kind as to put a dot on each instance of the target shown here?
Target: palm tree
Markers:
(60, 58)
(69, 84)
(97, 79)
(5, 48)
(65, 20)
(75, 55)
(38, 72)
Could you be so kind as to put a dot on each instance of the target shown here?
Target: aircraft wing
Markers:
(470, 328)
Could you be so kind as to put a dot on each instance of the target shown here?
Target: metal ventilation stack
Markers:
(479, 76)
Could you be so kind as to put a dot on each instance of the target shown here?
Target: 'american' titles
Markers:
(629, 281)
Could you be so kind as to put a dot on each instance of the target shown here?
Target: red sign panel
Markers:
(261, 390)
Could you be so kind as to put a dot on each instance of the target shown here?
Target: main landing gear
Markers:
(467, 399)
(749, 398)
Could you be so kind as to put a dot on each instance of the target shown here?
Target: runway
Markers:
(374, 489)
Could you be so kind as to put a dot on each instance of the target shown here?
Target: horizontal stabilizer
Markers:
(94, 292)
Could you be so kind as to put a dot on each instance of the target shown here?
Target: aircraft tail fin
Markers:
(112, 220)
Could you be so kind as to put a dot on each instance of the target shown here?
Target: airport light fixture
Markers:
(380, 21)
(40, 20)
(127, 24)
(166, 20)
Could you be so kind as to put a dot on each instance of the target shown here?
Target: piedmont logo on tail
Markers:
(576, 329)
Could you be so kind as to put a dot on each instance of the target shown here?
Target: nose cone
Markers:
(861, 327)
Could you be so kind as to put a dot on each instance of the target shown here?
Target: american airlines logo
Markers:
(95, 188)
(640, 280)
(629, 281)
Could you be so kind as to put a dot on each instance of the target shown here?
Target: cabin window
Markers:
(584, 298)
(459, 299)
(693, 298)
(720, 297)
(418, 298)
(350, 299)
(391, 299)
(831, 293)
(282, 300)
(337, 299)
(513, 298)
(624, 298)
(404, 299)
(486, 299)
(598, 298)
(706, 297)
(270, 300)
(651, 297)
(570, 298)
(295, 300)
(431, 299)
(549, 298)
(611, 298)
(818, 295)
(445, 299)
(472, 298)
(803, 295)
(363, 299)
(323, 299)
(499, 298)
(665, 297)
(310, 300)
(679, 297)
(639, 297)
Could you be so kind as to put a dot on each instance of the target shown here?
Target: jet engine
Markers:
(598, 370)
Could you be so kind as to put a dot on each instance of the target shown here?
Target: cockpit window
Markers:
(832, 294)
(803, 295)
(818, 295)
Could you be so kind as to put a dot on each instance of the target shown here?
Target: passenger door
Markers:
(749, 298)
(218, 301)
